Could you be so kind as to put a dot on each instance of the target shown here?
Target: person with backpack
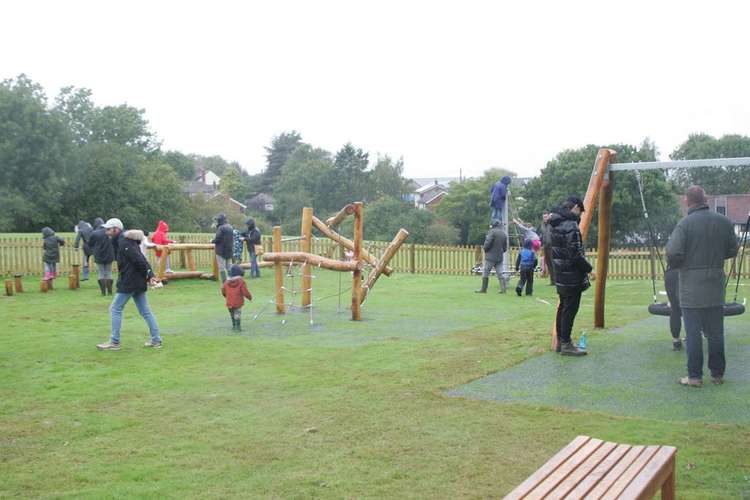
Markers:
(526, 263)
(252, 238)
(83, 232)
(223, 245)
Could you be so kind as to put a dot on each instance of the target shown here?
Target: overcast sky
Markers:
(445, 85)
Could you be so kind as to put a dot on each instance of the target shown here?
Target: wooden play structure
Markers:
(359, 257)
(600, 188)
(187, 249)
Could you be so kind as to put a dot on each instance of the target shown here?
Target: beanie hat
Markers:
(236, 270)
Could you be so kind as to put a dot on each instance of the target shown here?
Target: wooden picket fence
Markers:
(22, 253)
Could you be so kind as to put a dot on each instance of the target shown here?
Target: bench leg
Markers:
(667, 489)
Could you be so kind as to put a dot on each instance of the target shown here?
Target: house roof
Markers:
(435, 198)
(445, 181)
(428, 187)
(195, 187)
(737, 205)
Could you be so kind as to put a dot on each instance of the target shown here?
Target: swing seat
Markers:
(663, 309)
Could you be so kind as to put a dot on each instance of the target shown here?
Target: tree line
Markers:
(70, 159)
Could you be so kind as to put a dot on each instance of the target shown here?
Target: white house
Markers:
(209, 178)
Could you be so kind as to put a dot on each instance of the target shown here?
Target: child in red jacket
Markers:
(235, 290)
(160, 238)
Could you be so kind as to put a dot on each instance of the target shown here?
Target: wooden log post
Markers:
(19, 283)
(190, 259)
(413, 258)
(43, 286)
(162, 269)
(340, 216)
(305, 245)
(214, 267)
(182, 255)
(603, 246)
(348, 244)
(357, 274)
(312, 260)
(72, 281)
(9, 288)
(76, 271)
(390, 251)
(280, 308)
(601, 166)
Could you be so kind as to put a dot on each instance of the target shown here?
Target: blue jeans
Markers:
(497, 213)
(141, 302)
(254, 269)
(708, 321)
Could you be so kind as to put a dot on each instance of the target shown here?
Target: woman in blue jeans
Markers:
(134, 276)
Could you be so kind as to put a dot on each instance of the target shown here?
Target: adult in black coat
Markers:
(223, 245)
(134, 276)
(252, 238)
(571, 269)
(104, 255)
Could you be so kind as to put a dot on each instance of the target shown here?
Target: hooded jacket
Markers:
(101, 246)
(134, 269)
(252, 236)
(83, 233)
(224, 239)
(499, 192)
(526, 257)
(51, 246)
(160, 236)
(698, 246)
(495, 244)
(568, 256)
(235, 290)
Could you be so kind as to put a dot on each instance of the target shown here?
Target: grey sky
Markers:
(446, 85)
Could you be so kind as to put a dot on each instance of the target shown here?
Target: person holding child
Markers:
(526, 263)
(235, 290)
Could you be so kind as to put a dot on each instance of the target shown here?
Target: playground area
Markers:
(436, 392)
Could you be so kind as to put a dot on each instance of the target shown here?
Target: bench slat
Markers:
(564, 470)
(653, 475)
(635, 468)
(582, 471)
(609, 479)
(601, 470)
(545, 470)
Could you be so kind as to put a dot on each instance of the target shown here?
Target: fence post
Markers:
(412, 258)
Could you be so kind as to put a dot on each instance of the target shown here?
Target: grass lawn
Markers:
(327, 409)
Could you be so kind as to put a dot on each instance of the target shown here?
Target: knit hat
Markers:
(576, 201)
(134, 234)
(236, 270)
(113, 223)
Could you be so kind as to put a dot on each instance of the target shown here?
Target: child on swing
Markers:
(235, 290)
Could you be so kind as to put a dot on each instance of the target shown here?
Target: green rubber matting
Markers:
(630, 371)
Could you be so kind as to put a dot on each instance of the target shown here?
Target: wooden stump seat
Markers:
(592, 468)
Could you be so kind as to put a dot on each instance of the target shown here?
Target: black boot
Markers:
(234, 321)
(109, 286)
(570, 349)
(102, 287)
(239, 326)
(485, 282)
(518, 291)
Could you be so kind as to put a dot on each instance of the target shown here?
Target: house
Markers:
(261, 202)
(209, 178)
(429, 196)
(734, 206)
(229, 202)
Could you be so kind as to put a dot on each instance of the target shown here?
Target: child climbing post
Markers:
(526, 262)
(51, 257)
(235, 290)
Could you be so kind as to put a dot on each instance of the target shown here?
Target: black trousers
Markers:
(548, 264)
(671, 283)
(566, 315)
(527, 278)
(708, 321)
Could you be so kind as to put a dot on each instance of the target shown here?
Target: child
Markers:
(526, 263)
(235, 290)
(236, 246)
(51, 246)
(160, 238)
(528, 233)
(145, 243)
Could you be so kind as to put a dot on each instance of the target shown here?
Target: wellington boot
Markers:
(570, 349)
(103, 287)
(109, 286)
(238, 323)
(485, 283)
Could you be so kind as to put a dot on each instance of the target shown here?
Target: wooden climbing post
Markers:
(305, 244)
(357, 274)
(413, 258)
(390, 251)
(76, 271)
(72, 281)
(44, 286)
(19, 283)
(8, 287)
(215, 268)
(603, 246)
(190, 259)
(280, 309)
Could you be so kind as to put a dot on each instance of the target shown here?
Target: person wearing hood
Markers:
(223, 245)
(160, 238)
(571, 270)
(526, 262)
(134, 276)
(235, 290)
(51, 245)
(252, 238)
(495, 245)
(104, 255)
(498, 195)
(83, 232)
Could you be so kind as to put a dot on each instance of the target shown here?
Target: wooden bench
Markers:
(592, 468)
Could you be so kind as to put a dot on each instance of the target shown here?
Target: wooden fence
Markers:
(22, 253)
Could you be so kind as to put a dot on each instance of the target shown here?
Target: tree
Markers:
(384, 217)
(231, 183)
(387, 179)
(182, 164)
(727, 180)
(569, 173)
(307, 180)
(282, 147)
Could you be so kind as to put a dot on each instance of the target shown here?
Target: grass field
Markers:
(332, 409)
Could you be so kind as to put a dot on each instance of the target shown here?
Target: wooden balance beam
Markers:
(312, 260)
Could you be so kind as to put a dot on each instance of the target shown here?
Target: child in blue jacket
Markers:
(526, 262)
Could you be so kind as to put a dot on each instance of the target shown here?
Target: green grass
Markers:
(333, 409)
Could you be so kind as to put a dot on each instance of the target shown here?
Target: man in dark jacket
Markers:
(698, 247)
(498, 195)
(83, 232)
(252, 238)
(571, 270)
(104, 255)
(223, 245)
(135, 275)
(495, 245)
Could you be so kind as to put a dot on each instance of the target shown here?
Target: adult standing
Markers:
(671, 283)
(495, 245)
(104, 255)
(83, 232)
(498, 196)
(252, 238)
(132, 282)
(547, 247)
(160, 238)
(571, 270)
(223, 245)
(698, 247)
